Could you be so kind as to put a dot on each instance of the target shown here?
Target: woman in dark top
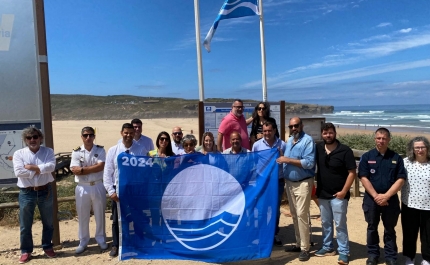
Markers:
(259, 116)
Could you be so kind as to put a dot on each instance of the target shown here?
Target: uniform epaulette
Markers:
(77, 148)
(99, 146)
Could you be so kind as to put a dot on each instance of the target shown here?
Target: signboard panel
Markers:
(19, 78)
(20, 95)
(215, 112)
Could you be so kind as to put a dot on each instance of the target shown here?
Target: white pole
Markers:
(199, 50)
(263, 52)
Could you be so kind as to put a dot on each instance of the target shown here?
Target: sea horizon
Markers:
(399, 118)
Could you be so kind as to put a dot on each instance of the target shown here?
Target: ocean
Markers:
(400, 118)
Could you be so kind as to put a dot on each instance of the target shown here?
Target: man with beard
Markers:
(269, 141)
(33, 166)
(236, 144)
(299, 171)
(234, 121)
(382, 174)
(177, 134)
(336, 173)
(110, 176)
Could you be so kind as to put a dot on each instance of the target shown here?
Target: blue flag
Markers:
(231, 9)
(212, 208)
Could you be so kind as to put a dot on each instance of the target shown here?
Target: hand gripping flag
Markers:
(231, 9)
(212, 208)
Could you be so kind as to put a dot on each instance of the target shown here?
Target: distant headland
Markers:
(118, 107)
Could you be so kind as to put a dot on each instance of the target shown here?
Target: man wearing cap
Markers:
(33, 166)
(87, 164)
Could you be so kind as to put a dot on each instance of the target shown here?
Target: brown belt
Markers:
(44, 187)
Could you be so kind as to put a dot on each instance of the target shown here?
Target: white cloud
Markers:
(405, 30)
(384, 24)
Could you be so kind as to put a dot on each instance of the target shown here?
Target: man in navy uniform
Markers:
(382, 174)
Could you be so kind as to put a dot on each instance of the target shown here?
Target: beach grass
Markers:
(367, 142)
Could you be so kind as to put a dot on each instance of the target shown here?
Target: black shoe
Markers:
(304, 256)
(372, 261)
(277, 242)
(390, 262)
(114, 252)
(293, 249)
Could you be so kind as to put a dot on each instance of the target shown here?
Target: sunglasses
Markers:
(261, 108)
(238, 107)
(162, 139)
(294, 126)
(177, 133)
(91, 135)
(34, 137)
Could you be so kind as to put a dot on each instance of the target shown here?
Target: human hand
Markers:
(282, 159)
(76, 170)
(114, 197)
(33, 168)
(340, 195)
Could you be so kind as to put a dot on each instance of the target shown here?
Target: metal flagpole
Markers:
(263, 52)
(199, 68)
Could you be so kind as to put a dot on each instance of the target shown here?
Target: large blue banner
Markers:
(212, 208)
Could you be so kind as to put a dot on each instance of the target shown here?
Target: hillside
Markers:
(86, 107)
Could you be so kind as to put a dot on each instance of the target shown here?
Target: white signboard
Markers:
(215, 112)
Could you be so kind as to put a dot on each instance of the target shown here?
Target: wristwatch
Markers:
(82, 170)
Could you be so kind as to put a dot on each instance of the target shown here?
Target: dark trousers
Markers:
(414, 221)
(115, 225)
(389, 214)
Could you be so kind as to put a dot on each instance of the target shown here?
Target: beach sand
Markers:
(66, 137)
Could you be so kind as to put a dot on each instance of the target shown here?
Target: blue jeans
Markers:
(28, 199)
(334, 210)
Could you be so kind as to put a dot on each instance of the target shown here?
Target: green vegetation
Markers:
(366, 142)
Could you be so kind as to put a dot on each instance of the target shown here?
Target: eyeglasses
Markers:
(162, 139)
(261, 108)
(294, 125)
(85, 135)
(177, 133)
(417, 148)
(238, 107)
(35, 137)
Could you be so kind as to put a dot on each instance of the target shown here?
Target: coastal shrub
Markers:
(367, 142)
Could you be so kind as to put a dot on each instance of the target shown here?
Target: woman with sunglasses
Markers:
(208, 144)
(164, 146)
(189, 143)
(259, 116)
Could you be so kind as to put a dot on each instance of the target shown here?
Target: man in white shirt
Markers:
(33, 166)
(145, 142)
(177, 134)
(87, 164)
(110, 176)
(236, 144)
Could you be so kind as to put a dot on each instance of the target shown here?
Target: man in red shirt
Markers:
(234, 121)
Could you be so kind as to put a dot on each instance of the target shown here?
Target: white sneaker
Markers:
(80, 249)
(103, 246)
(408, 261)
(425, 262)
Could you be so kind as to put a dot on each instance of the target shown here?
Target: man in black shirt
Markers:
(382, 174)
(336, 173)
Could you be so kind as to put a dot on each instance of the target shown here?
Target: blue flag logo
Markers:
(212, 208)
(231, 9)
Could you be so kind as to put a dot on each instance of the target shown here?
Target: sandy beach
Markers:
(67, 137)
(67, 133)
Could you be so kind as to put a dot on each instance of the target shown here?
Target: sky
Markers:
(331, 52)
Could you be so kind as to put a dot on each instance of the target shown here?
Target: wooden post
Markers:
(282, 118)
(46, 103)
(201, 121)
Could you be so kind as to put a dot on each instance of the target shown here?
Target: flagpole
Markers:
(199, 68)
(263, 52)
